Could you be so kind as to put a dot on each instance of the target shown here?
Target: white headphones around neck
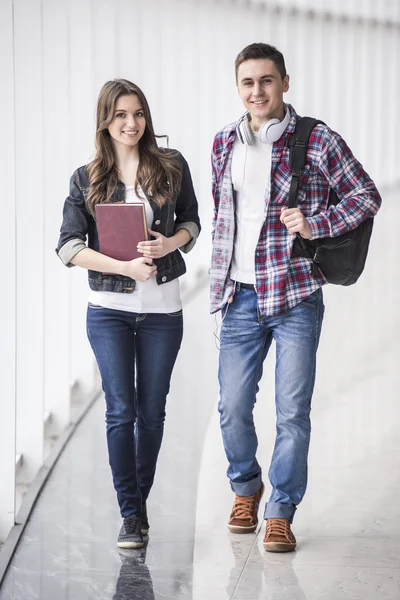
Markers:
(269, 132)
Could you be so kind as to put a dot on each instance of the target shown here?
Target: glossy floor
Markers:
(348, 526)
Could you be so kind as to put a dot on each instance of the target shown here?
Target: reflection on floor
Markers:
(348, 526)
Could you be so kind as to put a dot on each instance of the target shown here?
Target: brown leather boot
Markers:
(278, 536)
(244, 517)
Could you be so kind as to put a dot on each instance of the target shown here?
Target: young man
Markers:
(264, 292)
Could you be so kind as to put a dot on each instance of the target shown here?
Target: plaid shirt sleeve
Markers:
(214, 169)
(359, 198)
(221, 146)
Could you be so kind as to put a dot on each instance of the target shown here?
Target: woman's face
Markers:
(128, 124)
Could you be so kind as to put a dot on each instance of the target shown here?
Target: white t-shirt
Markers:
(148, 297)
(251, 174)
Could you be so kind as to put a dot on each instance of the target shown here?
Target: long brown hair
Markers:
(159, 172)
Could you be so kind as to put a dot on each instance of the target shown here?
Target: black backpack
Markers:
(341, 259)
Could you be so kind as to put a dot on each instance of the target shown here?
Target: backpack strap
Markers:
(298, 146)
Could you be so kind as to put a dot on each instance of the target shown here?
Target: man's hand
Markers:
(296, 222)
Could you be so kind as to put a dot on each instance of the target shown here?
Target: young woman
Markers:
(134, 317)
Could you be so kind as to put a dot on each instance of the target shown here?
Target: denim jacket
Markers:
(78, 225)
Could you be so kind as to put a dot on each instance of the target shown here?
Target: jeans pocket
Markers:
(313, 299)
(178, 313)
(94, 306)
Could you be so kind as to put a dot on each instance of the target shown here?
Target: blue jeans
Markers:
(245, 340)
(135, 354)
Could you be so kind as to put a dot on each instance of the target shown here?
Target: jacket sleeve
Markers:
(186, 209)
(359, 198)
(75, 224)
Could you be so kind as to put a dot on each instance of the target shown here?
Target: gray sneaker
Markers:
(144, 520)
(130, 535)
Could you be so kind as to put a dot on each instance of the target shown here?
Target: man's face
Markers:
(261, 90)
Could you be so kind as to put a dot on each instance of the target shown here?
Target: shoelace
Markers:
(278, 527)
(131, 524)
(243, 507)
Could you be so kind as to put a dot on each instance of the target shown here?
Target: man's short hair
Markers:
(260, 50)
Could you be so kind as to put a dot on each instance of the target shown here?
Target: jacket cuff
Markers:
(67, 252)
(193, 230)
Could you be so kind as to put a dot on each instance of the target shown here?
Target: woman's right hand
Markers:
(140, 269)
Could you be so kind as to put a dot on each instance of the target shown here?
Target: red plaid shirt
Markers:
(282, 281)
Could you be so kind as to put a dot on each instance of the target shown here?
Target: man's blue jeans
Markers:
(135, 354)
(245, 340)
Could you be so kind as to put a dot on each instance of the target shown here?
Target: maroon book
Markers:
(120, 228)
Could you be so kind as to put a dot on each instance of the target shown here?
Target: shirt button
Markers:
(164, 279)
(157, 222)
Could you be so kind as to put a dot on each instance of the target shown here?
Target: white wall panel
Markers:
(151, 57)
(209, 66)
(56, 111)
(104, 40)
(378, 83)
(8, 296)
(361, 89)
(366, 9)
(131, 45)
(392, 124)
(30, 232)
(316, 69)
(82, 89)
(81, 126)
